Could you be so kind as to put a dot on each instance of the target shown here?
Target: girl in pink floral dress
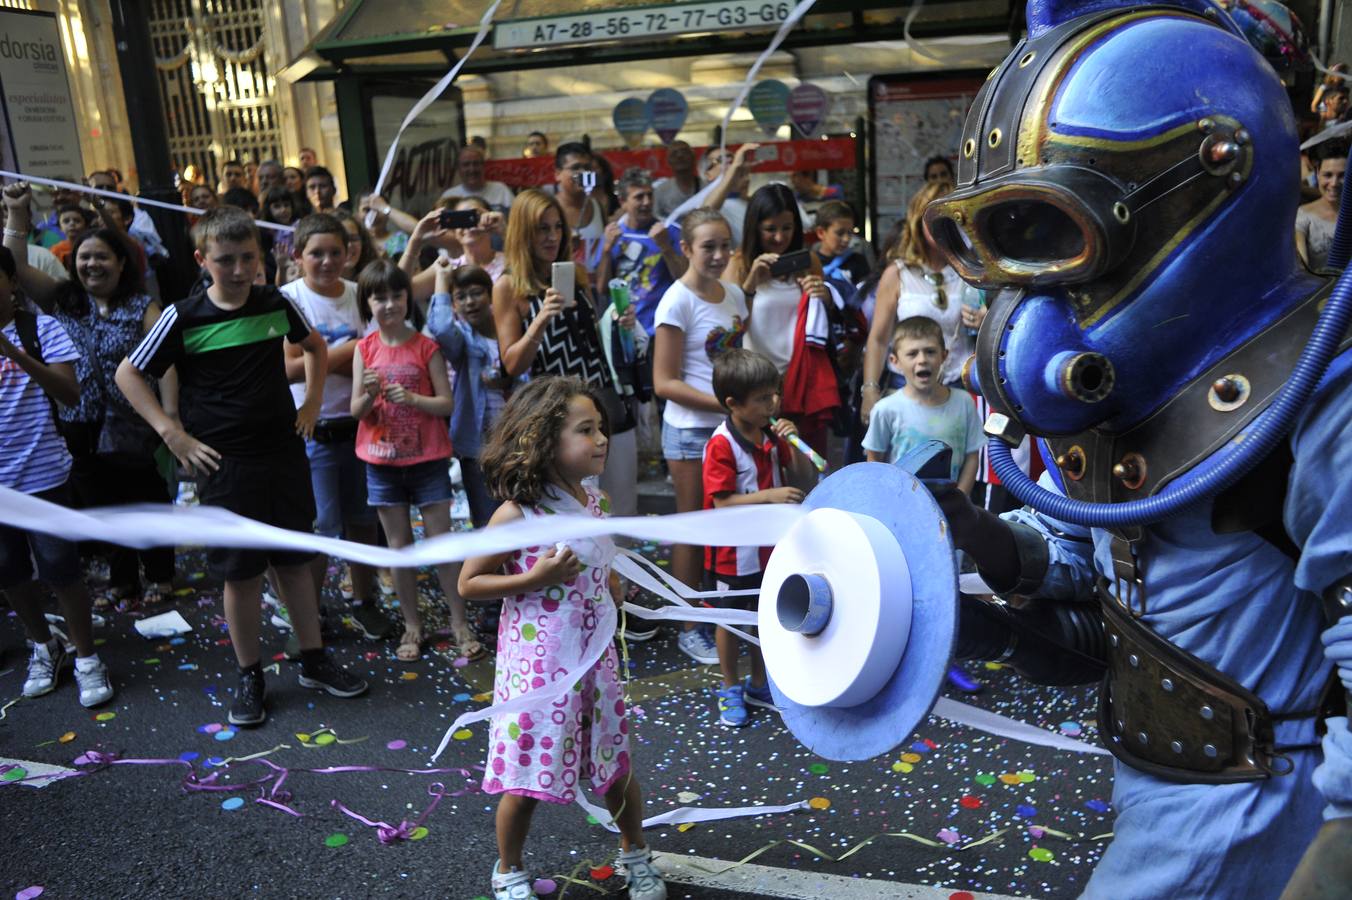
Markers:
(562, 715)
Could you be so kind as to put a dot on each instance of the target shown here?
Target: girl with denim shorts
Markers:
(698, 318)
(401, 397)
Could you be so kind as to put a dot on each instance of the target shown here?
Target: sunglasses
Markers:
(936, 281)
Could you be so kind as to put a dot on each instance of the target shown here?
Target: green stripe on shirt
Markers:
(236, 332)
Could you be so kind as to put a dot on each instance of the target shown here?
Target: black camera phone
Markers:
(791, 263)
(458, 218)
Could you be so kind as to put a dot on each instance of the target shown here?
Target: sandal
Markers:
(468, 644)
(120, 599)
(156, 595)
(410, 646)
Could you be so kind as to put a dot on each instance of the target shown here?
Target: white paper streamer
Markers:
(708, 615)
(151, 526)
(632, 566)
(1003, 726)
(139, 201)
(682, 815)
(951, 58)
(427, 99)
(794, 17)
(697, 200)
(543, 698)
(207, 526)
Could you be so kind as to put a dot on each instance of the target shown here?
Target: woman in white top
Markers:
(773, 229)
(1315, 220)
(697, 319)
(920, 283)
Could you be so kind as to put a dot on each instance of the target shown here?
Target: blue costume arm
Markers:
(446, 329)
(1070, 570)
(1318, 498)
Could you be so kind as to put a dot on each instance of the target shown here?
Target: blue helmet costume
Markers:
(1128, 183)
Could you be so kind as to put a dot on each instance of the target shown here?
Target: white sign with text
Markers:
(41, 135)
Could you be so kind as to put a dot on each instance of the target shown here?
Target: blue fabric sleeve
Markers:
(1318, 497)
(443, 325)
(1070, 570)
(878, 437)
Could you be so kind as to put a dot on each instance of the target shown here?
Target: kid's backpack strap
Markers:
(26, 324)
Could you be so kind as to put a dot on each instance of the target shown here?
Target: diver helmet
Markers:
(1126, 181)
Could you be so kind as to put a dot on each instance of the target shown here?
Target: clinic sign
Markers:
(40, 133)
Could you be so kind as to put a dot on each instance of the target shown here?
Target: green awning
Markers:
(421, 36)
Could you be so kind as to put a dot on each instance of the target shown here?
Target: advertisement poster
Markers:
(424, 165)
(913, 118)
(41, 136)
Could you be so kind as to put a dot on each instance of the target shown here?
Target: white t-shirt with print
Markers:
(337, 319)
(709, 329)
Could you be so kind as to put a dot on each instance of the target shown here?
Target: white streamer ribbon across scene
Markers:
(485, 23)
(139, 201)
(149, 526)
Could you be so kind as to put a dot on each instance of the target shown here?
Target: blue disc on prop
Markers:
(902, 505)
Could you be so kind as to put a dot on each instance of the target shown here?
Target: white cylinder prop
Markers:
(848, 568)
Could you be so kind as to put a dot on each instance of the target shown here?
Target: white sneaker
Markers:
(44, 669)
(696, 645)
(95, 686)
(515, 885)
(645, 882)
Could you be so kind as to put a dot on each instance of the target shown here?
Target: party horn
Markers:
(797, 442)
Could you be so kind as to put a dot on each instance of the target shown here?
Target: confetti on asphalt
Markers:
(946, 786)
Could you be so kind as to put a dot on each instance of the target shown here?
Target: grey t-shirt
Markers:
(667, 195)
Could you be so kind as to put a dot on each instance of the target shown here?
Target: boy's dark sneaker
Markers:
(636, 628)
(249, 708)
(324, 675)
(371, 621)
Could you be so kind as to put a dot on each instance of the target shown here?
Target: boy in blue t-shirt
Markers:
(640, 249)
(924, 410)
(36, 368)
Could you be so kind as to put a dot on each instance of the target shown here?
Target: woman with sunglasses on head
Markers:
(544, 332)
(920, 283)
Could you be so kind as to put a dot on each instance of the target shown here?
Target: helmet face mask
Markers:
(1106, 148)
(1050, 227)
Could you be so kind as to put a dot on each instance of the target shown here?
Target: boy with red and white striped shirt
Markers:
(747, 460)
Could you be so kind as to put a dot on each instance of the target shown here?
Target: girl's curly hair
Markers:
(519, 455)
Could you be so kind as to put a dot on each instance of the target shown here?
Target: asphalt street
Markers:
(952, 813)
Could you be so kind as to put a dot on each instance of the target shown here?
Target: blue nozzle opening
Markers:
(804, 604)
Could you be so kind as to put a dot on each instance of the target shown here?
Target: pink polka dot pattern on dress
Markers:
(544, 753)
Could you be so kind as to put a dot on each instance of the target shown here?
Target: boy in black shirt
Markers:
(241, 435)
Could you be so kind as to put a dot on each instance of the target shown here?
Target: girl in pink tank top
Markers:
(401, 398)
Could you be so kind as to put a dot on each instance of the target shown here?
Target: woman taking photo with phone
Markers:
(790, 305)
(545, 331)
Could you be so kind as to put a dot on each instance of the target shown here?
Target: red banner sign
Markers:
(780, 156)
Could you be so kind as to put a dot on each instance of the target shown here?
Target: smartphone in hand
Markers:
(458, 218)
(564, 280)
(791, 263)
